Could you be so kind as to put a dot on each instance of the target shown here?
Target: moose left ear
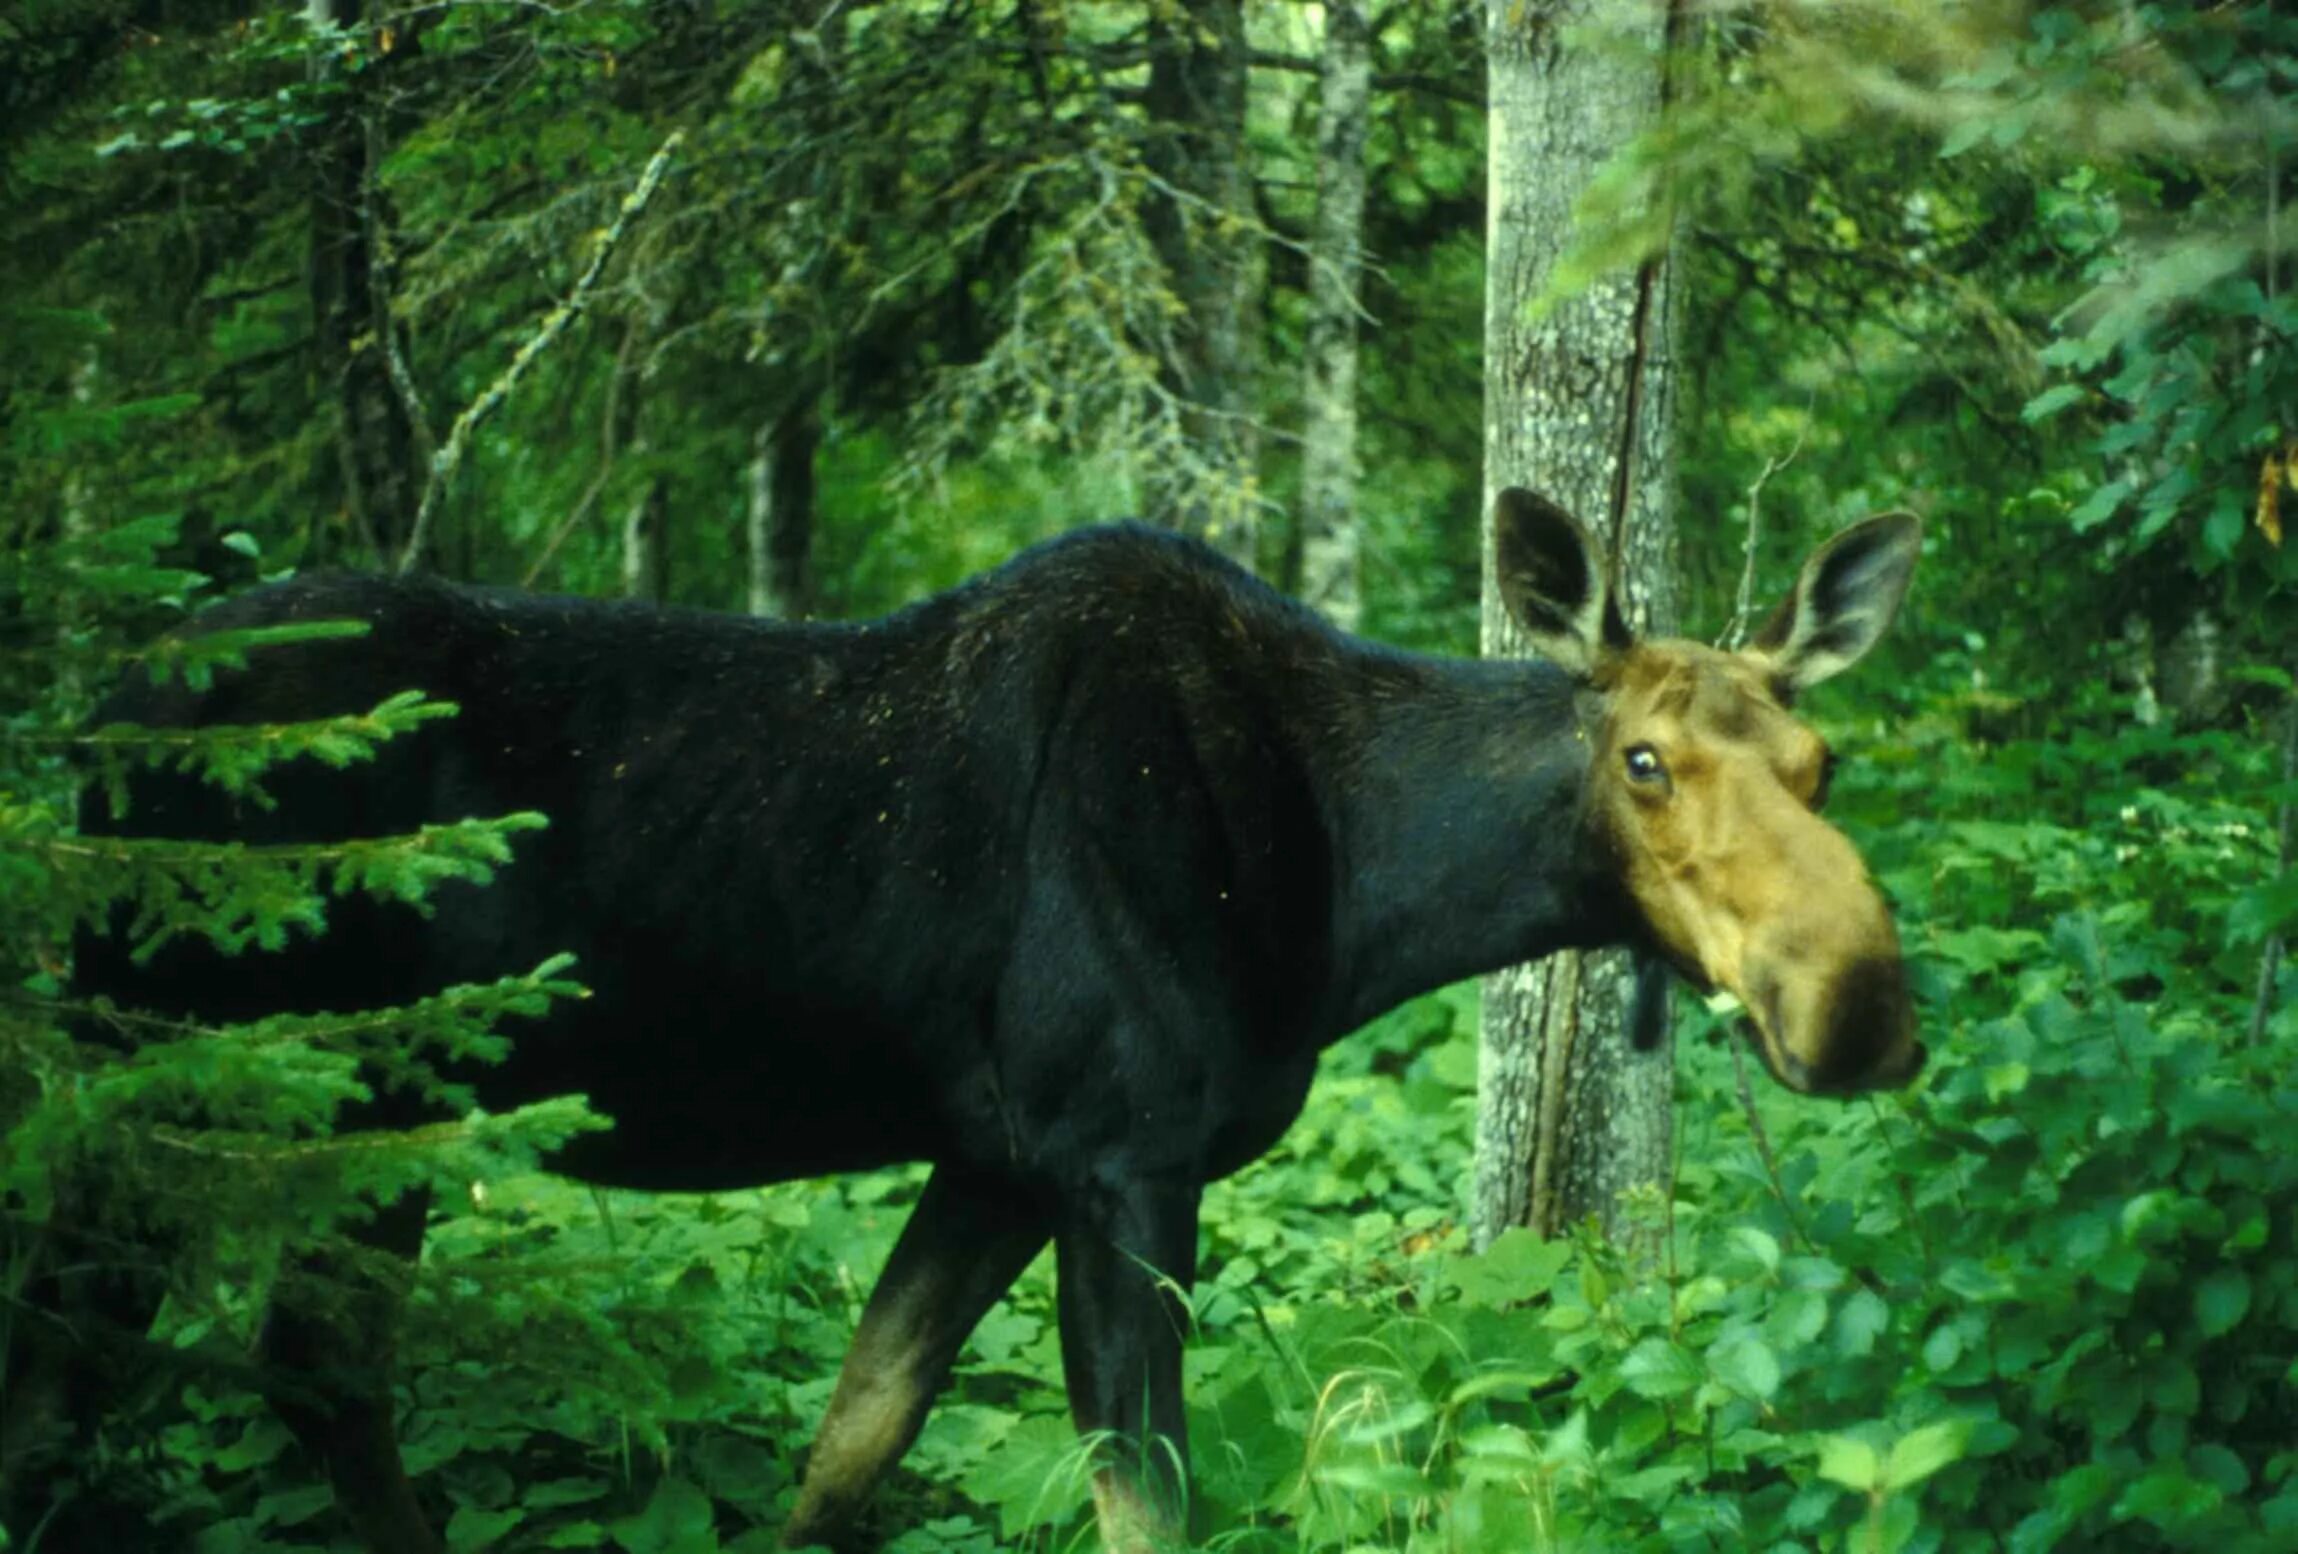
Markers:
(1844, 601)
(1551, 577)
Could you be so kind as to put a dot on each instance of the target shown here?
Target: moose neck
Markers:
(1461, 846)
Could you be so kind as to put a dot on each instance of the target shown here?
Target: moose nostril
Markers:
(1872, 1022)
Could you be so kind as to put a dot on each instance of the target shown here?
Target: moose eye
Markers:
(1644, 764)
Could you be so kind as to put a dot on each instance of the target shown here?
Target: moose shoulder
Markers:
(1058, 881)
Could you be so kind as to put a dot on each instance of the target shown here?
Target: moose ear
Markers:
(1551, 578)
(1844, 601)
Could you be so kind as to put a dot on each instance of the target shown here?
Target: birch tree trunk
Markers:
(646, 541)
(1198, 217)
(1331, 539)
(1577, 403)
(780, 529)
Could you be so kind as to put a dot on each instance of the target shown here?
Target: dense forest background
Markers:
(810, 308)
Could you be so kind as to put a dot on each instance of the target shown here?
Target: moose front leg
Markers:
(967, 1240)
(1127, 1257)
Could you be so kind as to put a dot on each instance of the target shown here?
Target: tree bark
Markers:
(1577, 403)
(1198, 216)
(353, 331)
(780, 526)
(646, 542)
(1332, 540)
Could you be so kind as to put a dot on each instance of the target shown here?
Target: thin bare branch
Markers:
(1743, 603)
(554, 324)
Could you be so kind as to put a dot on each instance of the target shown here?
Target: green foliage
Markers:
(197, 1156)
(2043, 1302)
(2013, 268)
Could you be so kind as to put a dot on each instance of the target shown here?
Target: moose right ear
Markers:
(1551, 577)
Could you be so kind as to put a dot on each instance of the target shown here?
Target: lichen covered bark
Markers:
(1199, 218)
(1331, 540)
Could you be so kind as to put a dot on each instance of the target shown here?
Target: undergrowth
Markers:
(2048, 1299)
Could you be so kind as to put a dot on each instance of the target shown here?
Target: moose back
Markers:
(1059, 881)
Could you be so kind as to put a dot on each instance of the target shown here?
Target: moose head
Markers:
(1709, 794)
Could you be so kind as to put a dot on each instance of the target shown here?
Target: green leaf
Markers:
(677, 1520)
(2222, 1300)
(1798, 1318)
(1656, 1368)
(2169, 1497)
(2263, 909)
(1758, 1245)
(2216, 1465)
(2050, 402)
(1863, 1319)
(1518, 1266)
(2099, 506)
(1965, 134)
(473, 1528)
(551, 1494)
(1851, 1462)
(1922, 1452)
(1747, 1366)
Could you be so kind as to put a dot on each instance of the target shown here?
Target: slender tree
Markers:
(357, 345)
(780, 520)
(1578, 390)
(1198, 219)
(1331, 539)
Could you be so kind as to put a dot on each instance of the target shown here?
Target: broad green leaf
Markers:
(471, 1528)
(1922, 1452)
(2169, 1497)
(1851, 1462)
(553, 1493)
(1518, 1266)
(1862, 1319)
(1758, 1245)
(2221, 1301)
(1747, 1366)
(2050, 402)
(677, 1520)
(1656, 1368)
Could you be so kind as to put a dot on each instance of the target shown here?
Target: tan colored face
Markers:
(1709, 790)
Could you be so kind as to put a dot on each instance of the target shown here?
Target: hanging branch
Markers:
(554, 324)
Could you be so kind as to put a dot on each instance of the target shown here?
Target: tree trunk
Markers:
(1331, 540)
(646, 542)
(1577, 404)
(1199, 222)
(781, 518)
(353, 333)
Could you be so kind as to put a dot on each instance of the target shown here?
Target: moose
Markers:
(1058, 881)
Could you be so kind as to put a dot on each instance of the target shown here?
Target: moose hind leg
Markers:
(966, 1242)
(330, 1344)
(1127, 1259)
